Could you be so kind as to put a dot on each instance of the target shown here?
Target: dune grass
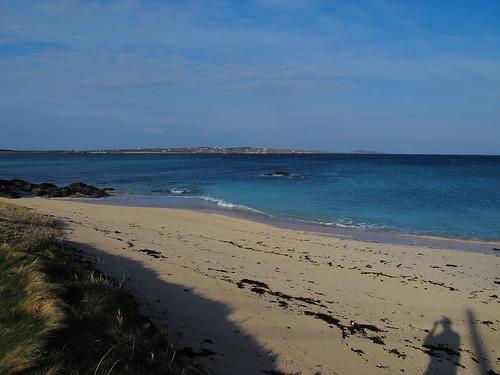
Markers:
(58, 315)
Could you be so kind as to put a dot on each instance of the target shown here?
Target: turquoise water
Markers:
(450, 196)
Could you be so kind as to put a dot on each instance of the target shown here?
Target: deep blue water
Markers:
(451, 196)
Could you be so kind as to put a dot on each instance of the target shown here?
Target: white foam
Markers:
(178, 191)
(223, 203)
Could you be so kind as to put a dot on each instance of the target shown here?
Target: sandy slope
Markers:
(294, 311)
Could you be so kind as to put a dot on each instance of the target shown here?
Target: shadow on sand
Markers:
(443, 348)
(197, 326)
(480, 354)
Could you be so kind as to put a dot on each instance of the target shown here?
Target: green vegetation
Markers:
(60, 316)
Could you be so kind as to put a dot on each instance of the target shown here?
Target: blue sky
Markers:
(392, 76)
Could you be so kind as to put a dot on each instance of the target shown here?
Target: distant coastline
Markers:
(186, 150)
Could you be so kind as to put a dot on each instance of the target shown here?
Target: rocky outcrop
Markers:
(279, 174)
(7, 190)
(17, 188)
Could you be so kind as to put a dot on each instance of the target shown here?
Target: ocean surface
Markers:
(445, 196)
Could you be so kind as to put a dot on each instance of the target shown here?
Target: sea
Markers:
(449, 196)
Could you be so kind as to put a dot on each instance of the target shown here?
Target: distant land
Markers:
(185, 150)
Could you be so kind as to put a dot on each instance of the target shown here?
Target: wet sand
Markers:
(243, 297)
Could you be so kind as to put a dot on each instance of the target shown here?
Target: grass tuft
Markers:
(58, 315)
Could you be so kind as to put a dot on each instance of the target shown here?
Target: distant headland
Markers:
(187, 150)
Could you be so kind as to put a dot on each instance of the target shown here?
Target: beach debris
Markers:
(486, 322)
(353, 328)
(376, 340)
(359, 352)
(327, 318)
(432, 349)
(261, 288)
(219, 270)
(376, 274)
(242, 282)
(283, 304)
(152, 253)
(397, 353)
(450, 288)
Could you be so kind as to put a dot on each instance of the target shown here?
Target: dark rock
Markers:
(77, 186)
(279, 173)
(47, 186)
(13, 188)
(54, 193)
(22, 185)
(6, 191)
(64, 192)
(16, 188)
(45, 189)
(81, 189)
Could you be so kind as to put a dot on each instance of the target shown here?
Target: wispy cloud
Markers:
(203, 64)
(26, 48)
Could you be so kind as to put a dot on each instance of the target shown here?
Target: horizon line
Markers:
(149, 150)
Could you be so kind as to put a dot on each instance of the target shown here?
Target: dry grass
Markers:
(30, 312)
(60, 316)
(29, 307)
(24, 231)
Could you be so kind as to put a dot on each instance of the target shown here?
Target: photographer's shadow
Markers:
(443, 348)
(200, 327)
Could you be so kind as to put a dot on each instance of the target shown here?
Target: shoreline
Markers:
(231, 210)
(246, 297)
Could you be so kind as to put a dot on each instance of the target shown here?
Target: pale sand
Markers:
(190, 288)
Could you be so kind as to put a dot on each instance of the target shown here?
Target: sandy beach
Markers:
(243, 297)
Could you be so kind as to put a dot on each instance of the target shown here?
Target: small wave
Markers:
(351, 225)
(191, 193)
(176, 190)
(340, 223)
(223, 203)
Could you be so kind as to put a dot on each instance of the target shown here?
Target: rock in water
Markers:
(79, 188)
(279, 174)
